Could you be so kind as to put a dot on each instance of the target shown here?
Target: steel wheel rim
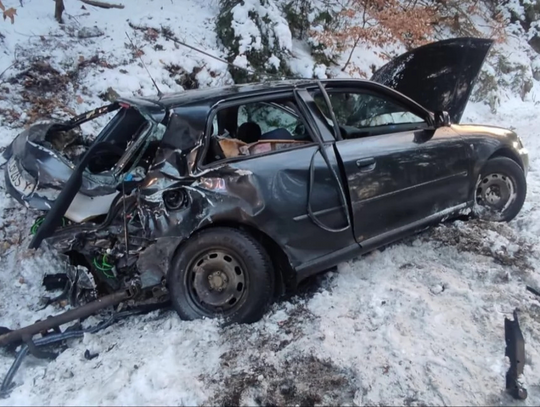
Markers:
(495, 192)
(216, 282)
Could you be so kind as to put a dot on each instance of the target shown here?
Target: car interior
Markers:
(122, 136)
(255, 128)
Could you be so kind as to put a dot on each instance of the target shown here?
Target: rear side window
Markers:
(255, 128)
(124, 127)
(128, 137)
(268, 117)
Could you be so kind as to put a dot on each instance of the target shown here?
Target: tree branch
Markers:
(102, 4)
(351, 53)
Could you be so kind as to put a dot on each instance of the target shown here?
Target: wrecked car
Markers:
(221, 199)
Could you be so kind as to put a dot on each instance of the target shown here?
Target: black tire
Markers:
(201, 285)
(508, 179)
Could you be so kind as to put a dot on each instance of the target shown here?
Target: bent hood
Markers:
(439, 75)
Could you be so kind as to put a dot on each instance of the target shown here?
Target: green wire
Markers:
(39, 221)
(36, 225)
(104, 267)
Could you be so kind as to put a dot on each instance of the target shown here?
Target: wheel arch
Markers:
(508, 153)
(284, 272)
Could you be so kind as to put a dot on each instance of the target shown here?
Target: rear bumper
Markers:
(32, 200)
(81, 209)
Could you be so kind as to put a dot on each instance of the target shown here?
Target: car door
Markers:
(284, 188)
(400, 173)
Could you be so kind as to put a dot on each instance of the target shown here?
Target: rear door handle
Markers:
(366, 164)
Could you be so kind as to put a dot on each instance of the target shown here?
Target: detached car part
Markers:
(533, 290)
(83, 311)
(515, 350)
(49, 339)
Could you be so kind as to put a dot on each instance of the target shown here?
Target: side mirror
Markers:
(442, 119)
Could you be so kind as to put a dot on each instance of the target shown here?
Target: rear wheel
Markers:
(221, 272)
(500, 190)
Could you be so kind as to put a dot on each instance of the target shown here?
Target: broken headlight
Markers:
(175, 199)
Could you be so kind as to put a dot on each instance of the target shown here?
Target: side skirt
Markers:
(347, 253)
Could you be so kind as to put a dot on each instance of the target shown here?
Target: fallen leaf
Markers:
(10, 13)
(79, 99)
(2, 6)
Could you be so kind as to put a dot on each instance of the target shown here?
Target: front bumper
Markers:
(522, 153)
(524, 156)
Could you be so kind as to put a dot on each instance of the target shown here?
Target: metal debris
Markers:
(515, 350)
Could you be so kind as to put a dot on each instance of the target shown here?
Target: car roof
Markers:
(196, 96)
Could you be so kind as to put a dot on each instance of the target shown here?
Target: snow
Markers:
(249, 30)
(241, 61)
(36, 34)
(421, 322)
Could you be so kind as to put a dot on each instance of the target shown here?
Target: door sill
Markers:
(395, 234)
(326, 262)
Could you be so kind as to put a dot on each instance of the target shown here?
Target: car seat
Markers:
(277, 134)
(215, 152)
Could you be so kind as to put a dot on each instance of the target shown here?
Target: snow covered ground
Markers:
(420, 323)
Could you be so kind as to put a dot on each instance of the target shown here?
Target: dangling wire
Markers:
(147, 71)
(126, 238)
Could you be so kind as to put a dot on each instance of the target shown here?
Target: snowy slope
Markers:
(421, 322)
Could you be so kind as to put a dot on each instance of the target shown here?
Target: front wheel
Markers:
(500, 190)
(221, 272)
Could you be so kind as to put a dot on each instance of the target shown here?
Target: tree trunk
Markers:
(58, 10)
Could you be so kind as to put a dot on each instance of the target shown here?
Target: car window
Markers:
(268, 117)
(365, 110)
(134, 148)
(254, 128)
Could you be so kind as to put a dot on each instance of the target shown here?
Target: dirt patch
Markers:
(42, 91)
(46, 90)
(263, 367)
(182, 77)
(302, 380)
(490, 239)
(40, 76)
